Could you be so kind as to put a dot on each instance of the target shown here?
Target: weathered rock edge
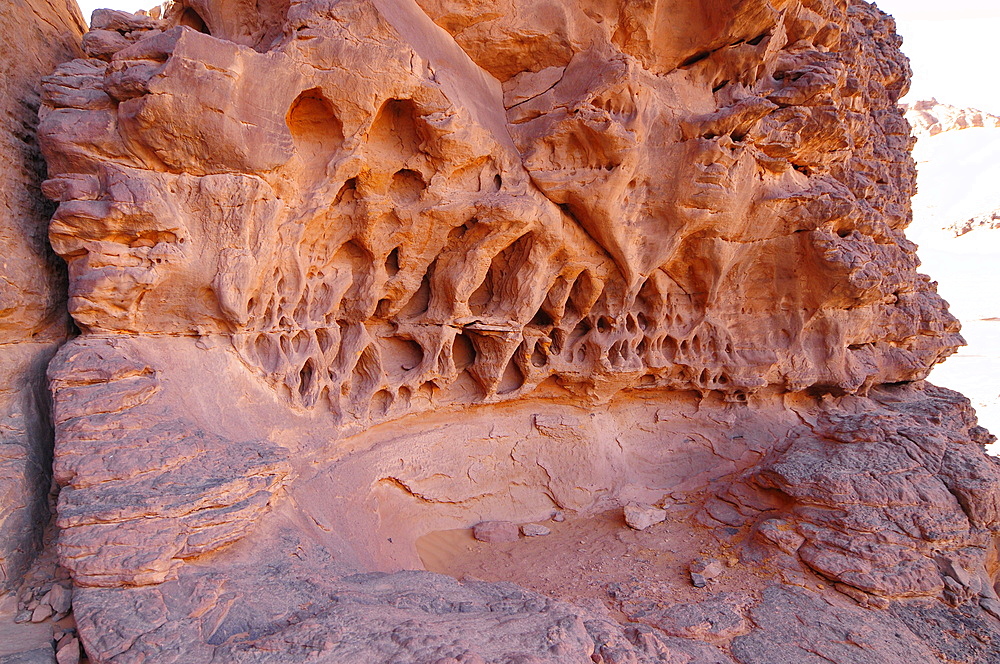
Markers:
(38, 35)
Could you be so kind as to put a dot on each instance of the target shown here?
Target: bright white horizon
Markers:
(952, 52)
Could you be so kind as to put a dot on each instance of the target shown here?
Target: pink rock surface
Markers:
(496, 531)
(351, 273)
(641, 517)
(38, 35)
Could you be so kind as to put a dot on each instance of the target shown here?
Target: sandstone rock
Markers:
(41, 613)
(931, 117)
(534, 530)
(39, 35)
(879, 497)
(417, 616)
(469, 261)
(641, 517)
(950, 633)
(495, 532)
(68, 651)
(136, 514)
(60, 598)
(781, 534)
(707, 568)
(798, 626)
(991, 606)
(716, 620)
(35, 656)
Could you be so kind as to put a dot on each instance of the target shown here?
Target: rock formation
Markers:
(38, 36)
(956, 214)
(351, 273)
(931, 117)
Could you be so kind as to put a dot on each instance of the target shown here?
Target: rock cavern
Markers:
(466, 332)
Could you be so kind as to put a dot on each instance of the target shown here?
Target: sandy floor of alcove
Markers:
(588, 558)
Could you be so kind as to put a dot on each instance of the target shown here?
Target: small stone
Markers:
(641, 517)
(495, 532)
(698, 581)
(709, 568)
(534, 530)
(60, 598)
(68, 651)
(558, 517)
(41, 612)
(22, 617)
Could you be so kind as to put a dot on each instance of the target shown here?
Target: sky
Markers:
(87, 6)
(952, 51)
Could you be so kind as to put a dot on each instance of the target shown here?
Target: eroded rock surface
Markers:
(351, 272)
(38, 36)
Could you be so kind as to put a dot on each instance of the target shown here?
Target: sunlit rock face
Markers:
(349, 273)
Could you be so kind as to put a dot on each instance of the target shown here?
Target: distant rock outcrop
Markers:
(931, 117)
(989, 221)
(951, 164)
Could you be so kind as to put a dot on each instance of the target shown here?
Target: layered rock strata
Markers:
(351, 272)
(38, 36)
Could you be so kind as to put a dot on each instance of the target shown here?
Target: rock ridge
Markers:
(931, 117)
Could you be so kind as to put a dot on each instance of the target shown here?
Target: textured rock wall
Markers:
(38, 35)
(351, 272)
